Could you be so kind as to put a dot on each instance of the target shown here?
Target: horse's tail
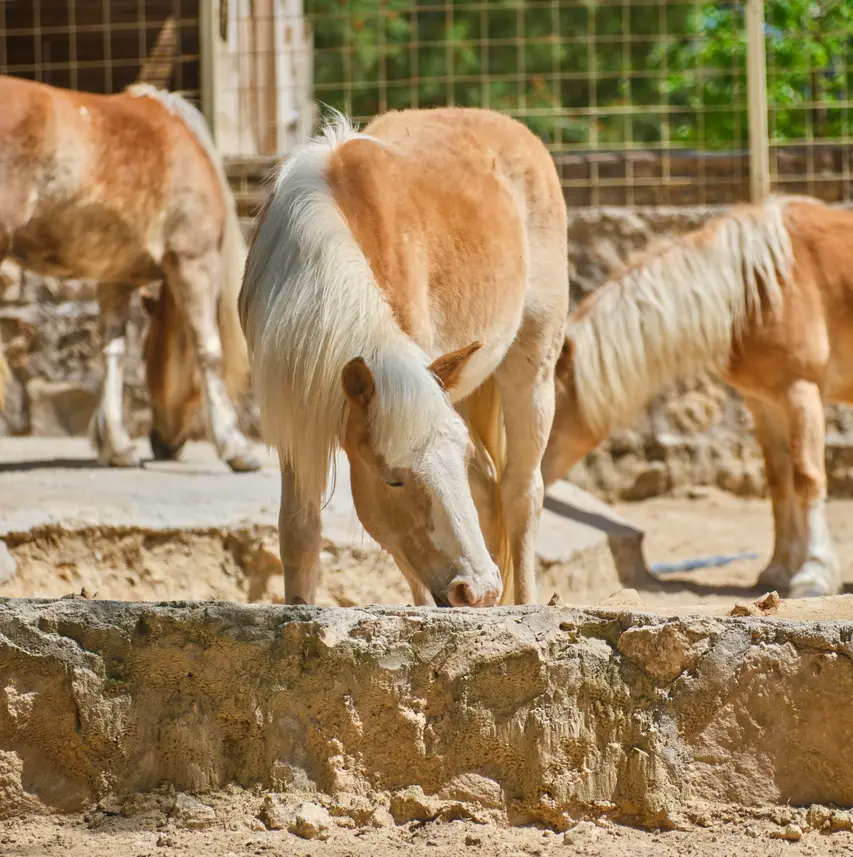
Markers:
(483, 413)
(235, 361)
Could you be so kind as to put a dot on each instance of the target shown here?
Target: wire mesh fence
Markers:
(102, 45)
(809, 49)
(641, 102)
(638, 100)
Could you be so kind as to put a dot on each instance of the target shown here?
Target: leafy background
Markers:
(584, 74)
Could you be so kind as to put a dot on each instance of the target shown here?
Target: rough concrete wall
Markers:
(524, 715)
(697, 434)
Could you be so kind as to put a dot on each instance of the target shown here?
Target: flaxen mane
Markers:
(309, 305)
(677, 308)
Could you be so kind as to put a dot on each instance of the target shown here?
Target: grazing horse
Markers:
(394, 274)
(764, 296)
(127, 189)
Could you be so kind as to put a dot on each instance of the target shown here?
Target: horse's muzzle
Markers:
(164, 451)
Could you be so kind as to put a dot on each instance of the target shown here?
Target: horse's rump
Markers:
(97, 186)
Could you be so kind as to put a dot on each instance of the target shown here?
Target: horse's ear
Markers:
(448, 368)
(358, 383)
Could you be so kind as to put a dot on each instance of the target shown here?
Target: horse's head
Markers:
(410, 483)
(570, 437)
(173, 384)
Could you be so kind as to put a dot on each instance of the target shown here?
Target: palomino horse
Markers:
(127, 189)
(392, 275)
(764, 296)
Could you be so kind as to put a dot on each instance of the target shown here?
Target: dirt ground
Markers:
(241, 566)
(235, 830)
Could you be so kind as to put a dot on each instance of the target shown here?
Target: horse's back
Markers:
(107, 178)
(441, 202)
(454, 140)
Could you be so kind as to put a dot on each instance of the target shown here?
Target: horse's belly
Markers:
(67, 249)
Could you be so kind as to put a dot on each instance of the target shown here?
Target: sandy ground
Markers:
(237, 832)
(214, 563)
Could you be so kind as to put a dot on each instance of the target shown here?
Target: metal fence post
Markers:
(756, 70)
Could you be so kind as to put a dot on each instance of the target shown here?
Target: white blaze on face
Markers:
(455, 527)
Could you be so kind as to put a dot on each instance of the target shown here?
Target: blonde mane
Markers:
(676, 310)
(310, 304)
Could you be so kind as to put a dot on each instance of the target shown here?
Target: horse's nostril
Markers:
(461, 595)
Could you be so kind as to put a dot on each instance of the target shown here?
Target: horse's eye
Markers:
(394, 484)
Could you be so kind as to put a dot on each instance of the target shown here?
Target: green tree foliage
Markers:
(590, 73)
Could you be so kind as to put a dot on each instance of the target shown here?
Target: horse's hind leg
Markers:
(819, 574)
(772, 432)
(195, 280)
(526, 381)
(107, 430)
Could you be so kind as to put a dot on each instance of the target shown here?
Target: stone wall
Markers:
(695, 435)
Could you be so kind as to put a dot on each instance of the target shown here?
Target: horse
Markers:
(128, 189)
(762, 296)
(405, 297)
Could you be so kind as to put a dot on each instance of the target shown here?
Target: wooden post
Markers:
(208, 15)
(756, 70)
(293, 76)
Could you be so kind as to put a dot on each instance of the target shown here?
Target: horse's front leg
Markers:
(299, 541)
(111, 440)
(820, 573)
(527, 389)
(772, 433)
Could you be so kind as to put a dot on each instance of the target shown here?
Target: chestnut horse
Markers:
(127, 189)
(764, 296)
(393, 275)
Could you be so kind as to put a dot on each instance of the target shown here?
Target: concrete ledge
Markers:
(55, 483)
(523, 714)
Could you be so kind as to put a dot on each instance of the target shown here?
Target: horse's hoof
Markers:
(125, 458)
(162, 450)
(774, 577)
(812, 589)
(814, 581)
(244, 463)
